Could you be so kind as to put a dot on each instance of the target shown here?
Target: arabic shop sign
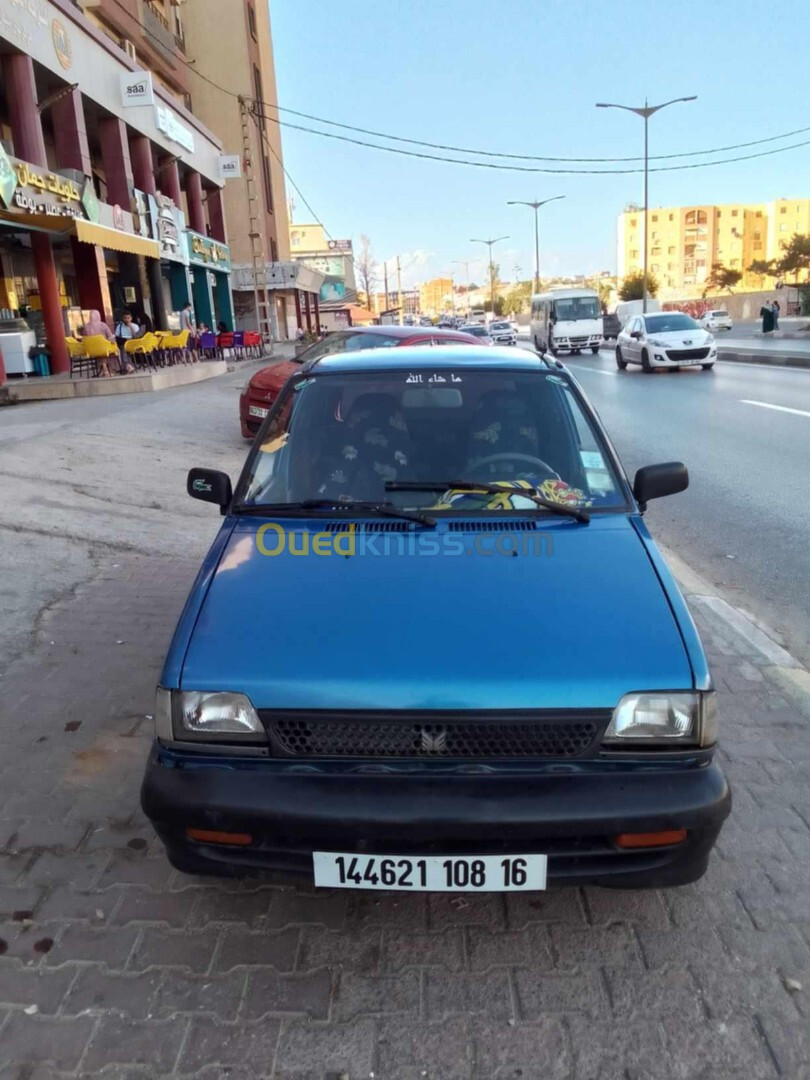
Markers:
(159, 219)
(202, 249)
(28, 191)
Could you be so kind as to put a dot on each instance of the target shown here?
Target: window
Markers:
(783, 227)
(633, 254)
(655, 236)
(757, 235)
(701, 217)
(782, 209)
(251, 14)
(655, 267)
(735, 213)
(735, 262)
(759, 213)
(671, 217)
(702, 262)
(690, 217)
(719, 213)
(655, 251)
(671, 250)
(633, 222)
(273, 250)
(757, 245)
(655, 217)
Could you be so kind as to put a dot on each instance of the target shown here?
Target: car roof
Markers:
(394, 330)
(443, 358)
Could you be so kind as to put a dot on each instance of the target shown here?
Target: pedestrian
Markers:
(187, 323)
(776, 310)
(144, 322)
(96, 325)
(766, 311)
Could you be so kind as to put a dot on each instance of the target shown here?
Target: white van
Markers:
(626, 309)
(568, 319)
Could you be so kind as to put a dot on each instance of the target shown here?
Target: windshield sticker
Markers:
(591, 459)
(300, 385)
(275, 444)
(434, 378)
(559, 492)
(555, 379)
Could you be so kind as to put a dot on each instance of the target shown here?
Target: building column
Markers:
(143, 171)
(169, 181)
(117, 166)
(194, 201)
(216, 215)
(307, 315)
(317, 314)
(298, 309)
(29, 144)
(224, 301)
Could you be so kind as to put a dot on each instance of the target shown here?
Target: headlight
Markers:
(206, 716)
(688, 717)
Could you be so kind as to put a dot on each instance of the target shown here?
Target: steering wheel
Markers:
(523, 459)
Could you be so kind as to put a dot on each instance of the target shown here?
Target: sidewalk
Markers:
(113, 961)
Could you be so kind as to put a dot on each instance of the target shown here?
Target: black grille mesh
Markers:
(376, 739)
(687, 354)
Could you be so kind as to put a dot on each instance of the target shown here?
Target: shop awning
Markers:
(116, 240)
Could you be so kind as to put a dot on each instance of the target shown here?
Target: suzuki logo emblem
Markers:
(434, 741)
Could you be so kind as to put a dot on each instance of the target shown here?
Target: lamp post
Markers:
(535, 206)
(489, 243)
(645, 112)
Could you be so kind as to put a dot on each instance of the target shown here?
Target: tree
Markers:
(720, 278)
(796, 257)
(519, 297)
(632, 287)
(762, 268)
(499, 305)
(366, 267)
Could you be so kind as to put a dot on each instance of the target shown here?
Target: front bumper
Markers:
(670, 357)
(570, 812)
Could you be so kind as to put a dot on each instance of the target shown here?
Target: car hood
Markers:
(690, 338)
(274, 376)
(576, 627)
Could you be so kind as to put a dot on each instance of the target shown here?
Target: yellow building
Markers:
(684, 241)
(436, 296)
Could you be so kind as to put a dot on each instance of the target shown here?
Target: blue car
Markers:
(434, 647)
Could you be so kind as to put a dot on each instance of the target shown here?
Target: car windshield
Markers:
(339, 437)
(477, 331)
(347, 341)
(670, 322)
(577, 307)
(500, 326)
(720, 314)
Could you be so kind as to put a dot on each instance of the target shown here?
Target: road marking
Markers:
(584, 367)
(778, 408)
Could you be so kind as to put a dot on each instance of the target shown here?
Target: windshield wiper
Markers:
(384, 509)
(577, 512)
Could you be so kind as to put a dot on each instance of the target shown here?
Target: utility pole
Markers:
(645, 112)
(385, 284)
(489, 244)
(399, 291)
(466, 264)
(535, 206)
(264, 314)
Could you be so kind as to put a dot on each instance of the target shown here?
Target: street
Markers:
(742, 522)
(114, 964)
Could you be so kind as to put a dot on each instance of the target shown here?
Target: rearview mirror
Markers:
(209, 485)
(655, 481)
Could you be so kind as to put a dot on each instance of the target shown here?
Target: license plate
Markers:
(257, 410)
(431, 873)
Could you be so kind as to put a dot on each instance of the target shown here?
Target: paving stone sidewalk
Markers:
(114, 965)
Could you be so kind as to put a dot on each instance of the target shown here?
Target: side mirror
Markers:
(636, 334)
(655, 481)
(209, 485)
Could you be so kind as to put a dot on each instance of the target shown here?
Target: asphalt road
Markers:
(744, 523)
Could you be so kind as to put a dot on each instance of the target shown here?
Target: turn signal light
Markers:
(212, 836)
(651, 839)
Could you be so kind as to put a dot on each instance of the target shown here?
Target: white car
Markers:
(719, 319)
(666, 339)
(502, 332)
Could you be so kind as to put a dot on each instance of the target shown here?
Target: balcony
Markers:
(157, 29)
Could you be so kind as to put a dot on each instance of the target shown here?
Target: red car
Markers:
(262, 390)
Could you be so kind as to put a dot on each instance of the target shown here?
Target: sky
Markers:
(523, 77)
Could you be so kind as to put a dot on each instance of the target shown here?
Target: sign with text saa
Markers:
(136, 88)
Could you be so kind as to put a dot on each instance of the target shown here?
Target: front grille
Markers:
(346, 736)
(688, 354)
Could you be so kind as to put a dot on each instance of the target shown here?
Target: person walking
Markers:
(187, 323)
(766, 311)
(776, 310)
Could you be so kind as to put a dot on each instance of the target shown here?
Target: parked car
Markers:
(717, 319)
(611, 326)
(382, 680)
(666, 339)
(261, 390)
(502, 333)
(478, 331)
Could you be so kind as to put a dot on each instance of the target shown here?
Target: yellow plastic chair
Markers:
(176, 346)
(142, 350)
(97, 348)
(80, 362)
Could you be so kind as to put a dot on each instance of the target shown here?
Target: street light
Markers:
(645, 111)
(489, 244)
(535, 206)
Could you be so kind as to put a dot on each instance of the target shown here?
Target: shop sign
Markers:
(171, 127)
(28, 190)
(61, 44)
(159, 219)
(202, 249)
(136, 88)
(340, 245)
(230, 166)
(331, 291)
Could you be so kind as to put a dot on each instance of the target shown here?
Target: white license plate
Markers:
(431, 873)
(257, 410)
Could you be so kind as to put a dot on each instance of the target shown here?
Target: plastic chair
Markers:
(175, 346)
(80, 362)
(208, 344)
(97, 348)
(141, 350)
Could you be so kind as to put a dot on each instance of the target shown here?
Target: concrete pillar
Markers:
(169, 180)
(116, 161)
(29, 144)
(298, 309)
(91, 278)
(194, 199)
(317, 315)
(70, 133)
(140, 149)
(307, 314)
(216, 215)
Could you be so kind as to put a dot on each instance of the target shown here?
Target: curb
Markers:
(769, 359)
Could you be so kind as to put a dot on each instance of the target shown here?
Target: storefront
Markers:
(210, 264)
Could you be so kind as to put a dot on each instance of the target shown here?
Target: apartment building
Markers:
(684, 241)
(436, 296)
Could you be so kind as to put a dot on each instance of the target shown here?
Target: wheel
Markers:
(594, 349)
(645, 363)
(707, 367)
(621, 363)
